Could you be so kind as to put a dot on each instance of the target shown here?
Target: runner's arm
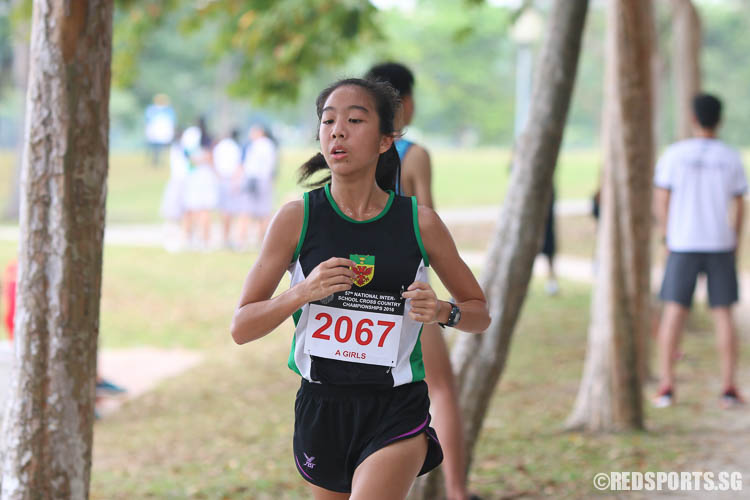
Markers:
(257, 313)
(454, 274)
(417, 175)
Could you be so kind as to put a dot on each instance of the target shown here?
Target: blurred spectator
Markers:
(160, 126)
(233, 200)
(201, 187)
(260, 171)
(172, 203)
(549, 248)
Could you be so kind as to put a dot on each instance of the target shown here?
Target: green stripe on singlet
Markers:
(415, 360)
(417, 233)
(290, 362)
(341, 214)
(303, 232)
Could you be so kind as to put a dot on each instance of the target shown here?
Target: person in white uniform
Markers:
(699, 187)
(233, 200)
(260, 170)
(201, 189)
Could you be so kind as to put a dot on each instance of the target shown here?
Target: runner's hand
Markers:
(424, 302)
(330, 276)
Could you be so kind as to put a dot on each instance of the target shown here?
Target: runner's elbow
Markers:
(240, 333)
(483, 321)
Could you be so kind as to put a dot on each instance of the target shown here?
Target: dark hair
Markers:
(206, 139)
(398, 75)
(386, 103)
(707, 110)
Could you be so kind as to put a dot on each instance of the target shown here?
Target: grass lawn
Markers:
(223, 429)
(461, 178)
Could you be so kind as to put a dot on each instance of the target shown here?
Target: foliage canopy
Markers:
(273, 44)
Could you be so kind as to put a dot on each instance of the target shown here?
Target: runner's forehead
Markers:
(349, 97)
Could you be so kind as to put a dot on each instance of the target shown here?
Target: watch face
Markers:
(455, 315)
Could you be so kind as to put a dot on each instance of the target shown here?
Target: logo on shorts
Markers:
(309, 461)
(364, 269)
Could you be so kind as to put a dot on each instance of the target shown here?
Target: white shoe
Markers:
(552, 288)
(663, 399)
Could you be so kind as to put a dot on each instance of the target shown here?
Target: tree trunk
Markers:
(686, 67)
(658, 75)
(50, 409)
(479, 360)
(610, 395)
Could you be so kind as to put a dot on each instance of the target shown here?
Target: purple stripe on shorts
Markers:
(413, 431)
(301, 470)
(433, 436)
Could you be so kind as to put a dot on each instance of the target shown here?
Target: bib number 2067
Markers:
(344, 328)
(352, 335)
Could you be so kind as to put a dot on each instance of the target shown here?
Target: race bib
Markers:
(356, 325)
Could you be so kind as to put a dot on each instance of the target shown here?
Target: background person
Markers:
(233, 201)
(416, 180)
(201, 187)
(699, 181)
(260, 171)
(172, 202)
(160, 126)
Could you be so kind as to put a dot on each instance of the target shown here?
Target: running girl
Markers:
(358, 256)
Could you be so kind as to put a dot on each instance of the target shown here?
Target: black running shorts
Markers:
(682, 271)
(337, 427)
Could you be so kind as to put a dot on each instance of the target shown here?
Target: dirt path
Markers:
(137, 369)
(723, 439)
(140, 370)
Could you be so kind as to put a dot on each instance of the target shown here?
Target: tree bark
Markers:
(50, 409)
(686, 50)
(479, 360)
(610, 395)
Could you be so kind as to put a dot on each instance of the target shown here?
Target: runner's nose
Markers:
(337, 132)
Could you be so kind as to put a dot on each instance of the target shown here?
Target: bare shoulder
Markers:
(417, 157)
(430, 223)
(286, 225)
(291, 213)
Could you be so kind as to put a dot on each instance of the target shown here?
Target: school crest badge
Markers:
(364, 269)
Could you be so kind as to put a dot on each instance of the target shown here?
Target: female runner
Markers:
(358, 254)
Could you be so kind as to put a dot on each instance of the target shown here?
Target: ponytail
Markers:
(387, 173)
(314, 164)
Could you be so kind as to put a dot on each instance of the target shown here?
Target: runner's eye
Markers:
(355, 120)
(327, 122)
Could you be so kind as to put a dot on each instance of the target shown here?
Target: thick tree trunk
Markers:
(686, 68)
(479, 360)
(610, 395)
(658, 75)
(50, 409)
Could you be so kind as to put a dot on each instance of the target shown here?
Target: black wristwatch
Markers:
(453, 318)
